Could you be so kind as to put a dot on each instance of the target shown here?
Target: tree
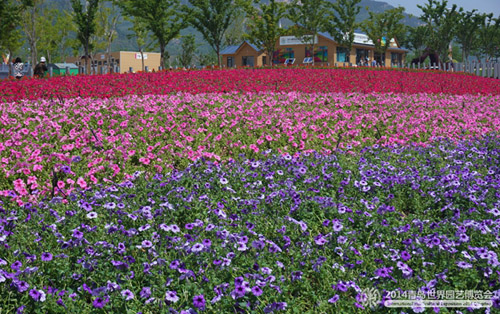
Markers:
(141, 35)
(264, 26)
(55, 29)
(188, 49)
(161, 17)
(212, 18)
(85, 19)
(417, 39)
(108, 19)
(382, 25)
(31, 27)
(489, 38)
(235, 33)
(468, 25)
(343, 22)
(310, 18)
(440, 22)
(10, 16)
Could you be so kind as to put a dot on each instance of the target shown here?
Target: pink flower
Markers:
(81, 182)
(60, 184)
(145, 161)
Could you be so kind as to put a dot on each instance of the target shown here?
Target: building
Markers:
(245, 54)
(121, 62)
(293, 50)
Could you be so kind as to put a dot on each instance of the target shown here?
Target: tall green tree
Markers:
(236, 32)
(188, 45)
(342, 22)
(10, 16)
(85, 19)
(489, 38)
(107, 18)
(212, 18)
(30, 22)
(385, 24)
(56, 28)
(311, 18)
(140, 35)
(163, 18)
(417, 39)
(264, 25)
(467, 30)
(440, 21)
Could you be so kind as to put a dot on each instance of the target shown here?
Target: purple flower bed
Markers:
(314, 233)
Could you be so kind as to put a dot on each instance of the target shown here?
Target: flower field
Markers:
(233, 191)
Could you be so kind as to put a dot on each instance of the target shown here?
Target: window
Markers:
(320, 55)
(361, 56)
(264, 60)
(230, 62)
(247, 61)
(281, 55)
(342, 54)
(396, 58)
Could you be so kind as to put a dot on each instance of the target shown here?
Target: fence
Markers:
(8, 69)
(484, 69)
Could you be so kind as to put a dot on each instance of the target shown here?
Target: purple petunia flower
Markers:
(145, 292)
(37, 295)
(207, 242)
(22, 286)
(66, 169)
(198, 247)
(405, 256)
(464, 265)
(77, 234)
(199, 301)
(16, 265)
(334, 299)
(46, 257)
(100, 302)
(257, 291)
(129, 295)
(147, 244)
(171, 296)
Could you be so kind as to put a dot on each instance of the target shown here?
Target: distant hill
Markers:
(123, 43)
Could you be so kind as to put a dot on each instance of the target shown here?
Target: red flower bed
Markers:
(248, 80)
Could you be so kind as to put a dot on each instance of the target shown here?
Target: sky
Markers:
(483, 6)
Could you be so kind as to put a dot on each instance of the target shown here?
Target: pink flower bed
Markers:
(65, 144)
(262, 80)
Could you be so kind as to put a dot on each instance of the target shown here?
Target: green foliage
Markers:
(386, 24)
(85, 19)
(468, 27)
(441, 22)
(311, 17)
(212, 18)
(188, 49)
(264, 25)
(10, 14)
(489, 37)
(161, 17)
(343, 21)
(56, 28)
(416, 39)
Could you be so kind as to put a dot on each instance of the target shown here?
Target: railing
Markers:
(484, 69)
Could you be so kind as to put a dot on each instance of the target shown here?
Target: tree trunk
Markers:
(87, 70)
(162, 55)
(142, 58)
(219, 61)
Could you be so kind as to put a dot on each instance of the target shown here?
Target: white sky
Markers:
(483, 6)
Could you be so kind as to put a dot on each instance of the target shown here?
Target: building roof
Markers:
(231, 50)
(63, 65)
